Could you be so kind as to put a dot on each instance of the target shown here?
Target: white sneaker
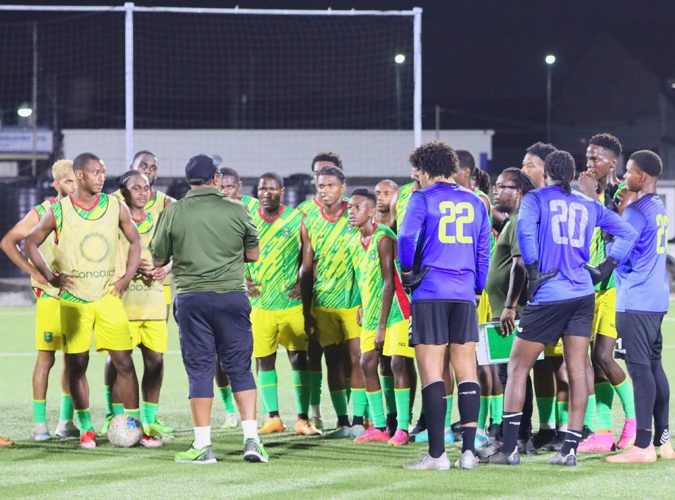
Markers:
(467, 460)
(41, 433)
(428, 463)
(67, 429)
(230, 421)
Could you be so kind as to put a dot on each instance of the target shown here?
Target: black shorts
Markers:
(439, 322)
(640, 333)
(546, 323)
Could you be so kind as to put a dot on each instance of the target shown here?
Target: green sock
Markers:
(315, 381)
(108, 400)
(348, 388)
(66, 407)
(625, 393)
(482, 412)
(402, 408)
(268, 389)
(376, 407)
(134, 412)
(301, 387)
(387, 382)
(339, 399)
(448, 411)
(84, 420)
(604, 393)
(562, 415)
(117, 409)
(589, 419)
(359, 401)
(227, 398)
(40, 411)
(546, 407)
(148, 412)
(497, 409)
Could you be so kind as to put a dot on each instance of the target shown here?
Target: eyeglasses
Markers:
(499, 187)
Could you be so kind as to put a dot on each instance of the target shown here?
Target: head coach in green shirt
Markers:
(209, 238)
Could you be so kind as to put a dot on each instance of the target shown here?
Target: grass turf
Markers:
(307, 466)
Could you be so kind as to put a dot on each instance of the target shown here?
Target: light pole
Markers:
(550, 61)
(399, 59)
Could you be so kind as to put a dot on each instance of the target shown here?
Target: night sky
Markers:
(482, 63)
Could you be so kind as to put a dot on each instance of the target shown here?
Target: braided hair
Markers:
(124, 180)
(523, 181)
(559, 166)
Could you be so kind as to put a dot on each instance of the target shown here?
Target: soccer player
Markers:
(314, 352)
(641, 303)
(86, 226)
(399, 202)
(230, 187)
(330, 297)
(506, 277)
(555, 226)
(47, 319)
(147, 163)
(144, 304)
(384, 319)
(444, 247)
(384, 192)
(599, 182)
(550, 374)
(276, 317)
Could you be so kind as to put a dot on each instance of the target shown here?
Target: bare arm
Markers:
(252, 254)
(34, 239)
(386, 252)
(10, 244)
(134, 256)
(307, 281)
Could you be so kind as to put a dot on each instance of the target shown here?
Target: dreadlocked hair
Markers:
(559, 167)
(522, 181)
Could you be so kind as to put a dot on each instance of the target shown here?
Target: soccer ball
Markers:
(125, 431)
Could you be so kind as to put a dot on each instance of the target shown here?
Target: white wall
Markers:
(254, 152)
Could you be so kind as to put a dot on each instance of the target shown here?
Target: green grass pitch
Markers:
(311, 467)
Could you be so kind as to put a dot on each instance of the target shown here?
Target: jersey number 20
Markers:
(457, 215)
(568, 223)
(662, 233)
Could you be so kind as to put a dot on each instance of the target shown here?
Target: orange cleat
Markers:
(272, 425)
(304, 428)
(634, 455)
(6, 442)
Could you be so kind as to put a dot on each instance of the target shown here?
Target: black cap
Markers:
(201, 168)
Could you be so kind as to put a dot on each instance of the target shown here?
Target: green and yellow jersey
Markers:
(144, 299)
(250, 202)
(47, 249)
(404, 194)
(309, 206)
(598, 244)
(493, 238)
(369, 275)
(277, 268)
(332, 240)
(87, 240)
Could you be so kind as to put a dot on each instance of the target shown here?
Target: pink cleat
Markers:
(372, 435)
(600, 442)
(150, 442)
(628, 433)
(399, 438)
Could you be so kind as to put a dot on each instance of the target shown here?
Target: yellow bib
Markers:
(144, 299)
(87, 245)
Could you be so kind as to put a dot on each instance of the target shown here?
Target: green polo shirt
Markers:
(499, 273)
(206, 234)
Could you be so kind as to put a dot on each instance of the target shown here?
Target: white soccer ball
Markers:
(125, 431)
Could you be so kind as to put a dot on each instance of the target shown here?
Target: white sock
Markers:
(202, 437)
(316, 411)
(250, 428)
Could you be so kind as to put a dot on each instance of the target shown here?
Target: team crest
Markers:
(48, 337)
(350, 229)
(373, 256)
(285, 233)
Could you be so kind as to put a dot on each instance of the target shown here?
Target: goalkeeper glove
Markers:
(603, 271)
(412, 280)
(536, 279)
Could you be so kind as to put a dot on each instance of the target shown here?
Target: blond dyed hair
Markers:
(61, 168)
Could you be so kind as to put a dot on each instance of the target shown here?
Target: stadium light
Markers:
(550, 59)
(24, 110)
(399, 58)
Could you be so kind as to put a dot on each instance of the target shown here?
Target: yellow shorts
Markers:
(271, 328)
(47, 324)
(153, 334)
(604, 319)
(484, 309)
(336, 325)
(106, 318)
(167, 295)
(396, 341)
(554, 350)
